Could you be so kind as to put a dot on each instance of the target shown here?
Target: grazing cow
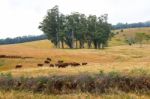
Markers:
(84, 63)
(62, 65)
(13, 56)
(39, 65)
(2, 56)
(51, 65)
(60, 61)
(47, 62)
(74, 64)
(49, 59)
(26, 57)
(18, 66)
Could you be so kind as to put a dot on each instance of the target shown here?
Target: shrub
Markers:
(114, 74)
(101, 73)
(96, 83)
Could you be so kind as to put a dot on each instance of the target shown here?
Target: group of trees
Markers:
(76, 30)
(22, 39)
(132, 25)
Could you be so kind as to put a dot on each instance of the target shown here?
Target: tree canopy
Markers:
(75, 29)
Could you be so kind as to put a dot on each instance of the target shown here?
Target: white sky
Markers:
(22, 17)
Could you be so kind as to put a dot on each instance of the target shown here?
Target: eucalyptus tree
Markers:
(92, 21)
(50, 25)
(82, 30)
(76, 27)
(73, 29)
(62, 27)
(103, 31)
(69, 30)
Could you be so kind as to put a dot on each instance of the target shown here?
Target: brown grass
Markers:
(121, 58)
(29, 95)
(115, 58)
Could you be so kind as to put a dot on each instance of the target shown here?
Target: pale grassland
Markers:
(119, 39)
(30, 95)
(122, 58)
(132, 31)
(118, 58)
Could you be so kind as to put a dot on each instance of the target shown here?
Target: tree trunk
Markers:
(80, 45)
(62, 44)
(99, 45)
(76, 43)
(57, 40)
(59, 44)
(103, 45)
(89, 44)
(95, 44)
(72, 45)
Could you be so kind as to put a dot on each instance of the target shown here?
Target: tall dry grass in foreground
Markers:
(29, 95)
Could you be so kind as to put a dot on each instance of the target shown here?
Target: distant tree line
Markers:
(22, 39)
(132, 25)
(76, 30)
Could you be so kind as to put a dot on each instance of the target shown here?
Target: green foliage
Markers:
(77, 27)
(131, 25)
(22, 39)
(1, 62)
(6, 75)
(139, 71)
(101, 73)
(121, 30)
(50, 25)
(114, 74)
(140, 37)
(130, 40)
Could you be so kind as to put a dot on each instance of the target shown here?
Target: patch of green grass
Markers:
(2, 62)
(139, 71)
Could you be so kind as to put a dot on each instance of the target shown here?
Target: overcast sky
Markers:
(22, 17)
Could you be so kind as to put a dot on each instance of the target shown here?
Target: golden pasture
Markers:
(116, 58)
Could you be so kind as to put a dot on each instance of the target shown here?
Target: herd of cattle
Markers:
(48, 61)
(59, 64)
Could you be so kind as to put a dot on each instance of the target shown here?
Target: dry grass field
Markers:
(122, 58)
(29, 95)
(119, 58)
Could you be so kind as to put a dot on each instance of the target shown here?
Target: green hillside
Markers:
(120, 37)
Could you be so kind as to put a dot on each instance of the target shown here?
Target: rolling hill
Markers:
(119, 39)
(120, 57)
